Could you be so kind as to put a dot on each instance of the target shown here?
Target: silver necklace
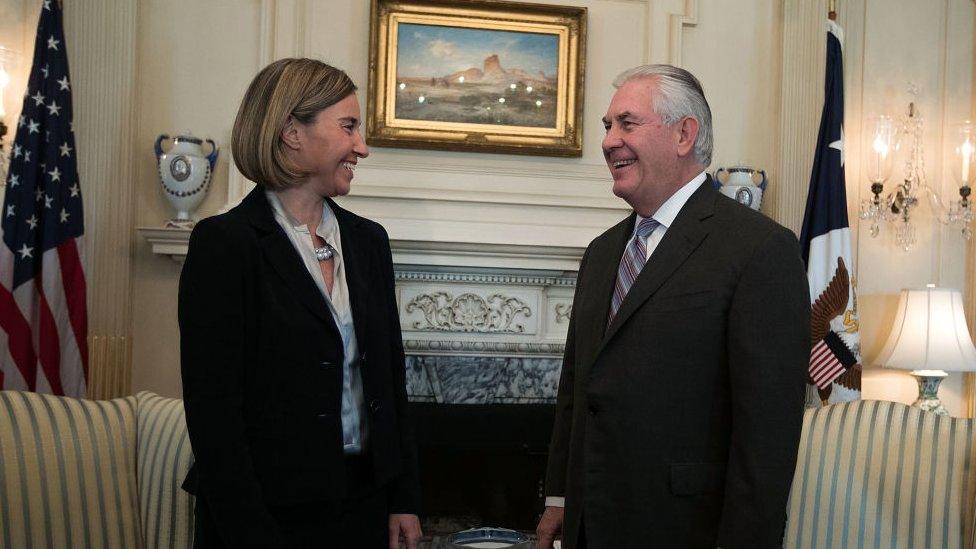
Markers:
(325, 253)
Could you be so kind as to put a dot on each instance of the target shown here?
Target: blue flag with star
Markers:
(834, 373)
(42, 206)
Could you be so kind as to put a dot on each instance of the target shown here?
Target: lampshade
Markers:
(929, 333)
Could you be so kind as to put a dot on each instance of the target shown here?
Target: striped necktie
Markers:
(631, 263)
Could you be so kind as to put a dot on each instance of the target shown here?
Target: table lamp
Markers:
(929, 337)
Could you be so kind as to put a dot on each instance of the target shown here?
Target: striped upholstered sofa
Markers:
(880, 474)
(87, 473)
(106, 474)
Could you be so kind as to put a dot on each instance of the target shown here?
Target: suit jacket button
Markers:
(374, 406)
(325, 364)
(323, 417)
(593, 411)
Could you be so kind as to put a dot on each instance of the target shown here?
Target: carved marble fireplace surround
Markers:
(483, 336)
(484, 350)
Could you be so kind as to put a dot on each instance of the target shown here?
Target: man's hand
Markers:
(550, 525)
(406, 528)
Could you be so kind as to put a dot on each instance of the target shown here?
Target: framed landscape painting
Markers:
(476, 75)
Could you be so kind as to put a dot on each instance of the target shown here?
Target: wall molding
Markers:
(803, 54)
(580, 186)
(676, 15)
(102, 35)
(110, 370)
(167, 241)
(510, 256)
(495, 279)
(459, 195)
(481, 348)
(688, 17)
(175, 242)
(577, 172)
(267, 33)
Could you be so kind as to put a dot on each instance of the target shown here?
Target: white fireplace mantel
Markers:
(174, 242)
(463, 299)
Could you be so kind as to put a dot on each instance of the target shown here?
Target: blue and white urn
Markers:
(185, 173)
(742, 183)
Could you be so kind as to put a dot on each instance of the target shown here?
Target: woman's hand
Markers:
(406, 528)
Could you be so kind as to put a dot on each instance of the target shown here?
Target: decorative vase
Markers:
(741, 183)
(185, 173)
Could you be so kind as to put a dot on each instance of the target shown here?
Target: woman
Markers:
(292, 361)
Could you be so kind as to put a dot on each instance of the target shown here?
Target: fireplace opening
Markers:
(481, 464)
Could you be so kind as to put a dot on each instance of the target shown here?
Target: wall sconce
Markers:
(6, 62)
(883, 139)
(929, 337)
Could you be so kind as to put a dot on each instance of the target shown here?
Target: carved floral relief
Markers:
(469, 312)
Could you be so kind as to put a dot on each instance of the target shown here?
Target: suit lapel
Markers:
(682, 238)
(356, 262)
(601, 275)
(280, 252)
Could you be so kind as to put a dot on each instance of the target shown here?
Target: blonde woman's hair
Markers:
(300, 88)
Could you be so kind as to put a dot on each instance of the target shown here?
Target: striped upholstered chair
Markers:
(881, 474)
(85, 473)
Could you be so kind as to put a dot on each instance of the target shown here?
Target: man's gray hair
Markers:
(680, 95)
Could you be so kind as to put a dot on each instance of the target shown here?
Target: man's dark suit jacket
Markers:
(262, 370)
(678, 425)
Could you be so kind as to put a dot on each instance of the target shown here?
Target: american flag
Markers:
(834, 370)
(43, 318)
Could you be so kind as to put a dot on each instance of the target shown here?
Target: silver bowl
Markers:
(481, 537)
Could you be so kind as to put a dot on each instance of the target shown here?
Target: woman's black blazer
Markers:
(262, 370)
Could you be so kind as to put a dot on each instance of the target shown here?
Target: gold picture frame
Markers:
(430, 89)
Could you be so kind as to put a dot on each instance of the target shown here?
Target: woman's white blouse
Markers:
(353, 427)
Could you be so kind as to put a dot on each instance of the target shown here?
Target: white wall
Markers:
(194, 61)
(736, 54)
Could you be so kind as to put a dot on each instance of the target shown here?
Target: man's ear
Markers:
(291, 135)
(687, 133)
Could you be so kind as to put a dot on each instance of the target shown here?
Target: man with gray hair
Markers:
(681, 397)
